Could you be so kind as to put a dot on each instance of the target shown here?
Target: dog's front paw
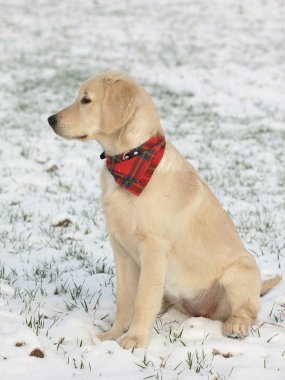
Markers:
(236, 328)
(109, 335)
(133, 341)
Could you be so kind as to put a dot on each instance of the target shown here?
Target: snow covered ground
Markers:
(216, 71)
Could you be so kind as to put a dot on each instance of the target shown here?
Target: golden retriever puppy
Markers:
(173, 243)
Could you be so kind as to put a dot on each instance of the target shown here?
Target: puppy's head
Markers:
(104, 105)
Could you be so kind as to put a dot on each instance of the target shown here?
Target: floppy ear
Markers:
(120, 103)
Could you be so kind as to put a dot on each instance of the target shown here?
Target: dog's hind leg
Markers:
(242, 284)
(269, 284)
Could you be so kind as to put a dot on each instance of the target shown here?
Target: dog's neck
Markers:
(140, 128)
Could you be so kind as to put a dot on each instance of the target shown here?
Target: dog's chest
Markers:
(123, 213)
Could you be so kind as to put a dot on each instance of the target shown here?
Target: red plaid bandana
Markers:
(133, 170)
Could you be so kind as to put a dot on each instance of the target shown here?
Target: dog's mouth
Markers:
(83, 137)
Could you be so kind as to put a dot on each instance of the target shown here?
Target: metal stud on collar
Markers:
(126, 156)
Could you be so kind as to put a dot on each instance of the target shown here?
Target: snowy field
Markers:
(216, 71)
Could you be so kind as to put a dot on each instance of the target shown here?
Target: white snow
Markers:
(216, 71)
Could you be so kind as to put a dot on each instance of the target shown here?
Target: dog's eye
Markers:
(85, 100)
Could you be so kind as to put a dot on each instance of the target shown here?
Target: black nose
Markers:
(52, 120)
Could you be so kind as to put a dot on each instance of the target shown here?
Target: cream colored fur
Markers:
(174, 245)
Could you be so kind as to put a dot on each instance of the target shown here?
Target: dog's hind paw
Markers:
(234, 336)
(236, 328)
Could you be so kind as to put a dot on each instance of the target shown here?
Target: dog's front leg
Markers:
(127, 282)
(150, 292)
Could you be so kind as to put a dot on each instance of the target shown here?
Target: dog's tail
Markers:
(268, 284)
